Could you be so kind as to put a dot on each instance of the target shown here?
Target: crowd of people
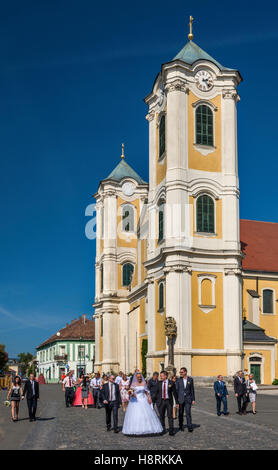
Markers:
(145, 404)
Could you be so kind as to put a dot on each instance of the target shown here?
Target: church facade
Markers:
(172, 247)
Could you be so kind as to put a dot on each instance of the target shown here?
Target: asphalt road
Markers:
(58, 427)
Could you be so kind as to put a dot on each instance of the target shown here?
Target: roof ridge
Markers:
(259, 221)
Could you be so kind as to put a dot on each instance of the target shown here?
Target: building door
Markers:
(256, 370)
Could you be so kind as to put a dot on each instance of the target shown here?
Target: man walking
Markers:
(96, 383)
(165, 393)
(153, 384)
(68, 384)
(186, 398)
(112, 401)
(31, 390)
(240, 392)
(221, 394)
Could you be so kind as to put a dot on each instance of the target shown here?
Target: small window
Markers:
(127, 274)
(101, 278)
(161, 296)
(81, 352)
(267, 301)
(162, 139)
(204, 125)
(205, 214)
(128, 218)
(161, 223)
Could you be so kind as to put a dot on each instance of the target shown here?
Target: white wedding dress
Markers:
(140, 417)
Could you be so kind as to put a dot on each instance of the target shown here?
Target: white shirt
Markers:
(33, 386)
(112, 395)
(118, 379)
(95, 383)
(68, 382)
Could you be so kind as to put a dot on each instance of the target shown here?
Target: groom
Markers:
(166, 391)
(112, 402)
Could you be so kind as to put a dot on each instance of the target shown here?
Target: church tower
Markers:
(194, 256)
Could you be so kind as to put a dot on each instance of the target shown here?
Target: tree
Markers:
(3, 358)
(24, 359)
(144, 350)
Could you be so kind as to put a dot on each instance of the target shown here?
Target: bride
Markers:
(140, 417)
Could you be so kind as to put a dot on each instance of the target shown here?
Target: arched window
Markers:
(206, 289)
(267, 301)
(128, 218)
(161, 296)
(162, 137)
(161, 222)
(127, 274)
(205, 214)
(204, 125)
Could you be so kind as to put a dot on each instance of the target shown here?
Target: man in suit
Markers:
(112, 402)
(68, 384)
(153, 387)
(240, 392)
(186, 398)
(31, 390)
(165, 392)
(221, 394)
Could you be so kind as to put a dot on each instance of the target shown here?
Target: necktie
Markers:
(164, 390)
(70, 382)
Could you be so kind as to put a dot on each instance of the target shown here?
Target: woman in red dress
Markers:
(83, 396)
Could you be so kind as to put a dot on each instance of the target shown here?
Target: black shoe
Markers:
(181, 428)
(116, 430)
(67, 406)
(34, 419)
(226, 414)
(30, 420)
(218, 414)
(171, 433)
(190, 429)
(108, 428)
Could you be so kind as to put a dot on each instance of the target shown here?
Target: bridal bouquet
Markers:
(131, 392)
(7, 403)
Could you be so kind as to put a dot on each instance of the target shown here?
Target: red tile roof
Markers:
(83, 327)
(259, 241)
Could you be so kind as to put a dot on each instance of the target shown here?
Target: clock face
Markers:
(128, 189)
(204, 80)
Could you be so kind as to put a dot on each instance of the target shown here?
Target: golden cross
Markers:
(190, 35)
(123, 151)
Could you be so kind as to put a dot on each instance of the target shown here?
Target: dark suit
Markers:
(32, 395)
(164, 404)
(185, 398)
(153, 388)
(221, 389)
(241, 390)
(112, 405)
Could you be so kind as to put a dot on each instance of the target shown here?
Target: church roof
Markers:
(191, 52)
(254, 333)
(259, 241)
(124, 170)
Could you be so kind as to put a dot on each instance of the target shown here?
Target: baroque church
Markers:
(176, 247)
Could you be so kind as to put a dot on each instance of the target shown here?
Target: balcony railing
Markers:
(61, 357)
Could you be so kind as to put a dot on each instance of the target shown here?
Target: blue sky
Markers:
(73, 75)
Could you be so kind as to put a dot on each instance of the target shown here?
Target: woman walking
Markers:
(252, 392)
(124, 387)
(15, 394)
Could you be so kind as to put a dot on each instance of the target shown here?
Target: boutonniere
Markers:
(169, 385)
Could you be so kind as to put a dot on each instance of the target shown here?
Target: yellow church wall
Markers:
(142, 324)
(160, 338)
(207, 328)
(267, 363)
(197, 161)
(156, 364)
(209, 365)
(143, 258)
(101, 245)
(206, 290)
(127, 239)
(161, 165)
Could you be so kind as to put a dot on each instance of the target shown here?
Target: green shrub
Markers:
(275, 382)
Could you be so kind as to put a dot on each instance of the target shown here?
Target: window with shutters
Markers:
(162, 135)
(205, 214)
(128, 218)
(204, 125)
(268, 301)
(127, 274)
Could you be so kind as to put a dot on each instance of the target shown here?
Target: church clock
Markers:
(204, 80)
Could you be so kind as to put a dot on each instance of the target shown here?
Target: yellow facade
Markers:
(205, 366)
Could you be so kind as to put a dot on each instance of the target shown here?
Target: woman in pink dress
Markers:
(124, 387)
(83, 396)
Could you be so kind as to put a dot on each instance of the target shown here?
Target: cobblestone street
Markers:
(61, 428)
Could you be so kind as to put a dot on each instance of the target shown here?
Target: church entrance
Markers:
(256, 370)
